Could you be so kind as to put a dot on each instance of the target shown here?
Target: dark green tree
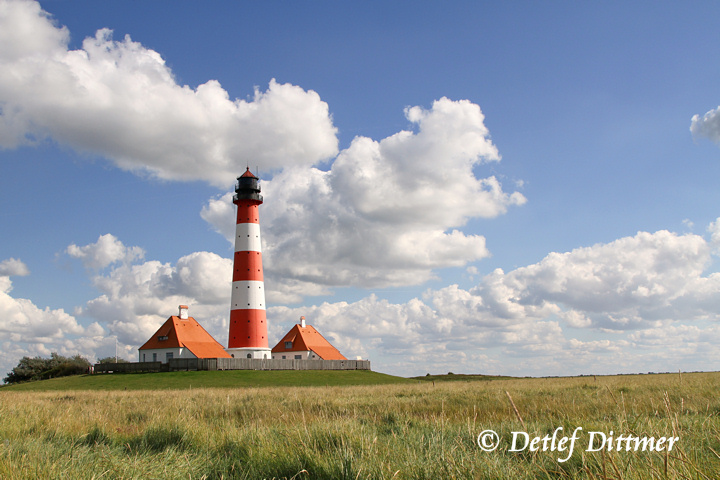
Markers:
(38, 368)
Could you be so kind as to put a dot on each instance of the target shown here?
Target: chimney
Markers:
(183, 312)
(302, 322)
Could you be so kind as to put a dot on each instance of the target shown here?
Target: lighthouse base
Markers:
(249, 352)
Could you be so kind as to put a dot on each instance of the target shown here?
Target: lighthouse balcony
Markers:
(247, 196)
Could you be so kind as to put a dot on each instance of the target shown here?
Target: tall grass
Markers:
(417, 430)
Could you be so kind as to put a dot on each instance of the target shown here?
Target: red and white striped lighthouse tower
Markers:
(248, 324)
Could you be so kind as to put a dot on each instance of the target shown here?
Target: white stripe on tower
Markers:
(248, 294)
(247, 237)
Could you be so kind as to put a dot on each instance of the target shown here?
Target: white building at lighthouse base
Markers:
(250, 352)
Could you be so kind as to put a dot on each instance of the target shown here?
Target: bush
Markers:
(38, 368)
(112, 360)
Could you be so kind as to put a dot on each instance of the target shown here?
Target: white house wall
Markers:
(178, 352)
(305, 355)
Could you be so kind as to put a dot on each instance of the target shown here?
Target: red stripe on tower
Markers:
(248, 324)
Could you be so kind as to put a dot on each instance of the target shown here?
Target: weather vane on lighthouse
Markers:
(248, 323)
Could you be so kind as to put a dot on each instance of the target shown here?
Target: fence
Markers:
(129, 367)
(186, 364)
(279, 364)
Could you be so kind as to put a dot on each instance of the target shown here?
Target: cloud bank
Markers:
(648, 300)
(27, 329)
(646, 297)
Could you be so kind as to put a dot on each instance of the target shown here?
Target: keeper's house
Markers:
(181, 337)
(303, 342)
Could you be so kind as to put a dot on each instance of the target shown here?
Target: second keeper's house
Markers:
(303, 342)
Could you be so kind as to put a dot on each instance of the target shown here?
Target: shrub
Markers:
(112, 360)
(38, 368)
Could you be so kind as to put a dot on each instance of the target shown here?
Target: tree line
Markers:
(38, 368)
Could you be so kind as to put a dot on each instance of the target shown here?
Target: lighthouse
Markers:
(248, 324)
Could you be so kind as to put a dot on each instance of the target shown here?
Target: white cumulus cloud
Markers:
(714, 229)
(106, 251)
(707, 126)
(22, 320)
(386, 213)
(623, 284)
(12, 267)
(119, 99)
(137, 296)
(27, 329)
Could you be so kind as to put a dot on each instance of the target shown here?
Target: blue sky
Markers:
(517, 188)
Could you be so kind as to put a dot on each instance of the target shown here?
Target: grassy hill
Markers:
(209, 379)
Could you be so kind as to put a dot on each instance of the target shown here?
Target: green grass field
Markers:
(209, 379)
(161, 427)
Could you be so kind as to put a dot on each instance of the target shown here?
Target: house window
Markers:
(283, 357)
(163, 338)
(288, 345)
(143, 357)
(249, 355)
(298, 357)
(168, 356)
(154, 357)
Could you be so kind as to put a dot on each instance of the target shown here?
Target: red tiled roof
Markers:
(248, 173)
(188, 334)
(307, 338)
